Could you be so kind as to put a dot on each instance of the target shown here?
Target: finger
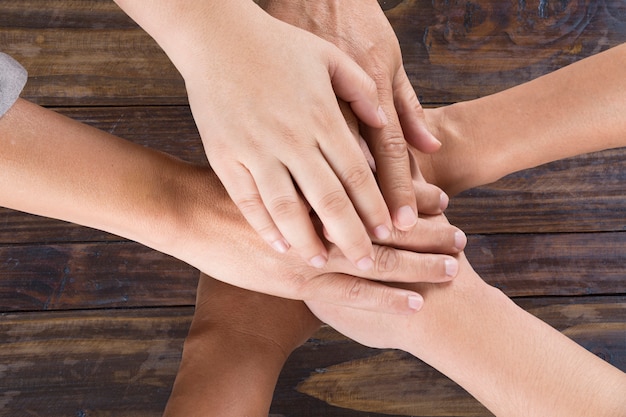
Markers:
(350, 166)
(430, 198)
(430, 235)
(352, 84)
(397, 265)
(331, 203)
(350, 291)
(393, 169)
(243, 190)
(411, 115)
(351, 120)
(289, 213)
(353, 124)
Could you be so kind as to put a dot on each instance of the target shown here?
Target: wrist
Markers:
(224, 373)
(454, 166)
(188, 30)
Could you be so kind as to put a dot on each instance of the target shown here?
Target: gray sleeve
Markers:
(12, 80)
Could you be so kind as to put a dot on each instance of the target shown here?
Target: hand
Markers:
(384, 331)
(360, 28)
(264, 100)
(214, 238)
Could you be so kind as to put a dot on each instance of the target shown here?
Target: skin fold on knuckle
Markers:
(360, 293)
(285, 207)
(356, 177)
(249, 204)
(333, 205)
(353, 291)
(392, 147)
(386, 261)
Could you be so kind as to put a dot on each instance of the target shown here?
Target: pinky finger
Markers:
(363, 294)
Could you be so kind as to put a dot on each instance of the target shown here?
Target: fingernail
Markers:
(382, 116)
(365, 264)
(444, 200)
(280, 246)
(415, 302)
(437, 141)
(452, 267)
(382, 232)
(460, 240)
(318, 261)
(406, 217)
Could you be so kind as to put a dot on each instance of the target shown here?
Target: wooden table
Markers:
(93, 325)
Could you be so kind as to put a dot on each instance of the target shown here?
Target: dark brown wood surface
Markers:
(92, 325)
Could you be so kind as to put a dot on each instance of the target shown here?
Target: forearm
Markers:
(575, 110)
(187, 29)
(225, 375)
(513, 363)
(235, 351)
(56, 167)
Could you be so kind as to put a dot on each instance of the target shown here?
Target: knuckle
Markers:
(354, 289)
(392, 147)
(382, 298)
(334, 203)
(284, 206)
(356, 177)
(386, 260)
(249, 204)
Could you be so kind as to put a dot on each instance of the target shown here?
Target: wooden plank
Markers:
(63, 14)
(125, 274)
(88, 52)
(122, 363)
(546, 264)
(93, 67)
(103, 363)
(581, 194)
(585, 193)
(90, 276)
(459, 50)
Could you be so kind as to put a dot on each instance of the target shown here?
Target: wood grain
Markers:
(88, 52)
(122, 363)
(91, 276)
(103, 363)
(93, 325)
(459, 50)
(35, 277)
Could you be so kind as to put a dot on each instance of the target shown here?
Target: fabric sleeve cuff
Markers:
(12, 80)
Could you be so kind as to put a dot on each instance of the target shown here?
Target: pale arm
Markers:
(264, 97)
(56, 167)
(572, 111)
(512, 362)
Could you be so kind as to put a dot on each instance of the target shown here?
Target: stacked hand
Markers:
(264, 97)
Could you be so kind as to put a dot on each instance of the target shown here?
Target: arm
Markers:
(264, 96)
(574, 110)
(360, 29)
(56, 167)
(237, 345)
(512, 362)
